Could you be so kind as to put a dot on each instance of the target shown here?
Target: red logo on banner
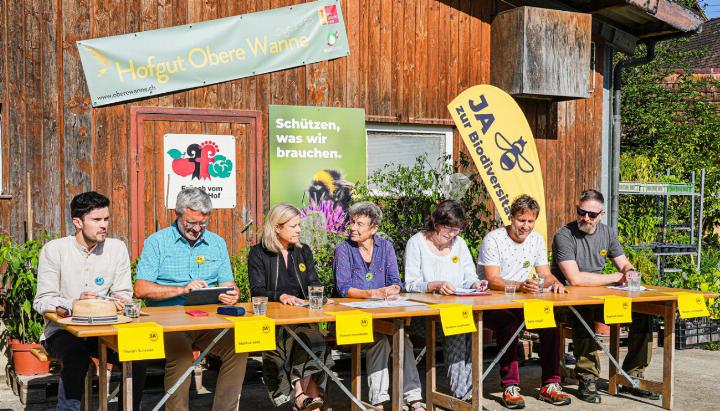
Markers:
(329, 15)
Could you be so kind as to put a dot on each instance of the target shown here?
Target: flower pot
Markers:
(25, 363)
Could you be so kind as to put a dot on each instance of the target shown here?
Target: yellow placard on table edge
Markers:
(538, 313)
(140, 341)
(617, 310)
(456, 318)
(692, 305)
(353, 327)
(256, 333)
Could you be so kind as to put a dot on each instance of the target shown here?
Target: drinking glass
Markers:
(315, 293)
(132, 307)
(633, 280)
(510, 287)
(259, 305)
(540, 281)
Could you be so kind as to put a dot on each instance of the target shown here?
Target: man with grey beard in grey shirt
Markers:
(580, 250)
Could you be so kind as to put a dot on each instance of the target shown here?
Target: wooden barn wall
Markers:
(408, 59)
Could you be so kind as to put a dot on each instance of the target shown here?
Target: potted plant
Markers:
(19, 282)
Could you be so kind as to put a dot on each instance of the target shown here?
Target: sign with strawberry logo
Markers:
(203, 161)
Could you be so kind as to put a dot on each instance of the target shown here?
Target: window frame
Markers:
(429, 129)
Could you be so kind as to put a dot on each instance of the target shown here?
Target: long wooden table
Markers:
(174, 319)
(655, 301)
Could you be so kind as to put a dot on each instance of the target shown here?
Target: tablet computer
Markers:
(209, 295)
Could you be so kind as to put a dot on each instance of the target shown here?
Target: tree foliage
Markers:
(670, 122)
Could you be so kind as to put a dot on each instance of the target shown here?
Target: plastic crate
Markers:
(693, 332)
(629, 186)
(679, 188)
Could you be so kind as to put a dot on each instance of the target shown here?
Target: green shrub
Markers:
(239, 264)
(20, 278)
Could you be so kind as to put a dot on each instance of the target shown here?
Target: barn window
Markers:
(401, 145)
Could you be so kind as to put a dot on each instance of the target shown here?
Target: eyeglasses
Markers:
(192, 224)
(450, 230)
(591, 214)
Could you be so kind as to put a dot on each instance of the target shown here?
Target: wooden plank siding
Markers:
(408, 59)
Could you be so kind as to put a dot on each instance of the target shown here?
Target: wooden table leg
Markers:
(430, 375)
(127, 391)
(88, 393)
(398, 362)
(614, 351)
(356, 374)
(668, 352)
(477, 363)
(102, 376)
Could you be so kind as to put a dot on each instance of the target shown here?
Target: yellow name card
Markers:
(256, 333)
(456, 318)
(692, 305)
(538, 314)
(353, 327)
(140, 341)
(618, 309)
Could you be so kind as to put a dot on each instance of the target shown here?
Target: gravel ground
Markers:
(696, 375)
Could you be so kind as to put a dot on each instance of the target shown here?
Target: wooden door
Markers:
(149, 125)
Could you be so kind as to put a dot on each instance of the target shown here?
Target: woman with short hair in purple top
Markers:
(365, 266)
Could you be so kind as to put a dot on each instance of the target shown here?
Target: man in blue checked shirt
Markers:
(174, 261)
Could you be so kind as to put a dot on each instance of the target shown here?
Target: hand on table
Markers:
(528, 286)
(385, 292)
(622, 278)
(288, 299)
(194, 285)
(557, 288)
(88, 295)
(481, 285)
(119, 301)
(445, 288)
(229, 298)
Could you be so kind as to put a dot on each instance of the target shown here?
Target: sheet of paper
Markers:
(470, 291)
(400, 302)
(353, 327)
(456, 318)
(254, 333)
(625, 288)
(140, 341)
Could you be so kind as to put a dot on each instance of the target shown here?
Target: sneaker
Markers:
(637, 392)
(587, 391)
(553, 394)
(512, 398)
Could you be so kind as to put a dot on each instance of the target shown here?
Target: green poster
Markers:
(316, 154)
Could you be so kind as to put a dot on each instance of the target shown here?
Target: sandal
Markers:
(308, 403)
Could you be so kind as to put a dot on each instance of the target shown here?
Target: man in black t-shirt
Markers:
(579, 251)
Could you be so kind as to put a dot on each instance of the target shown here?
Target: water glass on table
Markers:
(510, 287)
(315, 293)
(259, 305)
(633, 280)
(131, 307)
(540, 282)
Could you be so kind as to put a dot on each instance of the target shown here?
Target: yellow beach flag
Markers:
(502, 147)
